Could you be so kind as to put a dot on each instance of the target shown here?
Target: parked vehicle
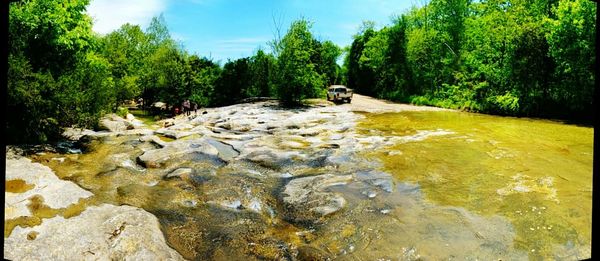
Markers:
(339, 93)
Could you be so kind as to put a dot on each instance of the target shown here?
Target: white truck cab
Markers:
(339, 93)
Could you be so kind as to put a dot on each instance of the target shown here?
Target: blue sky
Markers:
(222, 29)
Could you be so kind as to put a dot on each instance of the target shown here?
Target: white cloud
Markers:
(109, 15)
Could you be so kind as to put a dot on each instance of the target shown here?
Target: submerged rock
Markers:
(270, 158)
(123, 160)
(309, 253)
(226, 151)
(376, 178)
(182, 173)
(307, 198)
(68, 148)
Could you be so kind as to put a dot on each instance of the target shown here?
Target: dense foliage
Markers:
(63, 74)
(297, 76)
(516, 57)
(57, 76)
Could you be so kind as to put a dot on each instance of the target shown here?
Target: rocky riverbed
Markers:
(248, 181)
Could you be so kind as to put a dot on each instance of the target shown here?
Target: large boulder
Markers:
(127, 126)
(75, 134)
(114, 123)
(307, 199)
(176, 149)
(56, 193)
(104, 232)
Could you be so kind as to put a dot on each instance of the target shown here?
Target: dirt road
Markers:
(361, 103)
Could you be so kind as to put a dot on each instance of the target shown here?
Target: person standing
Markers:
(186, 107)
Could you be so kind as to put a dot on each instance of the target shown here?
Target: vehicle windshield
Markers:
(340, 90)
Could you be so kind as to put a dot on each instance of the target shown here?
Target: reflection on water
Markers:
(431, 185)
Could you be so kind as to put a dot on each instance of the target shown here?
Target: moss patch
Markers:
(17, 186)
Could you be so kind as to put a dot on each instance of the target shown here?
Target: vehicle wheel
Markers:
(349, 100)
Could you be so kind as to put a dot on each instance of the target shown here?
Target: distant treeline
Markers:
(63, 74)
(510, 57)
(517, 57)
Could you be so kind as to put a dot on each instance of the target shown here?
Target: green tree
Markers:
(262, 68)
(125, 50)
(358, 78)
(56, 77)
(163, 72)
(233, 83)
(398, 84)
(297, 77)
(328, 54)
(51, 35)
(532, 86)
(373, 63)
(204, 76)
(572, 46)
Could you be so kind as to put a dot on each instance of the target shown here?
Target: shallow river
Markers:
(535, 174)
(428, 185)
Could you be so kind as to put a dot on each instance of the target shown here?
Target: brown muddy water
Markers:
(425, 185)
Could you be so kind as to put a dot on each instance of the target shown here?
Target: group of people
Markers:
(187, 107)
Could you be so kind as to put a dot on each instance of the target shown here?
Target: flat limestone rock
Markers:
(57, 193)
(157, 157)
(104, 232)
(114, 123)
(76, 134)
(153, 139)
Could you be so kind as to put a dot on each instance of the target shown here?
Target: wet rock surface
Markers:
(57, 193)
(52, 228)
(100, 233)
(157, 157)
(308, 198)
(255, 181)
(115, 123)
